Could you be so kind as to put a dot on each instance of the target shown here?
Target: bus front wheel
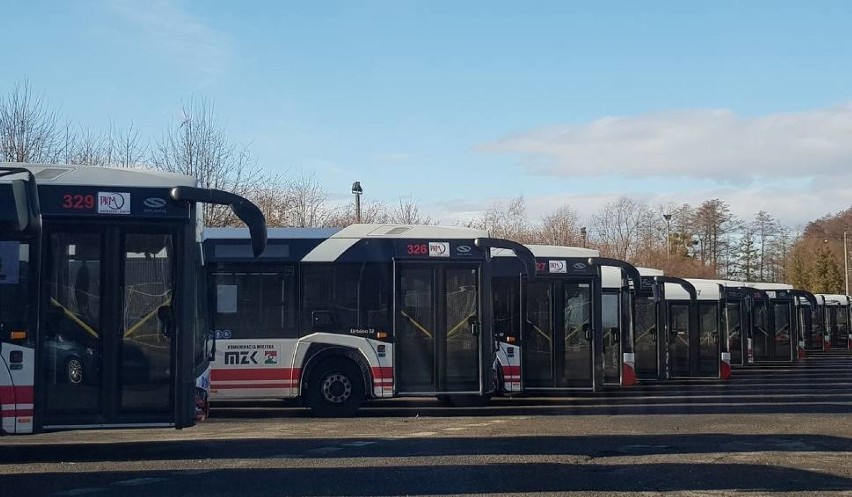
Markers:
(336, 388)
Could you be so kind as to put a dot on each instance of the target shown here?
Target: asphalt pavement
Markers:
(772, 430)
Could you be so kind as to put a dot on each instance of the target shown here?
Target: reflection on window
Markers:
(341, 297)
(259, 304)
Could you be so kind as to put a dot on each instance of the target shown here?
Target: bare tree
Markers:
(407, 212)
(89, 148)
(198, 146)
(125, 147)
(560, 227)
(765, 229)
(714, 222)
(618, 226)
(306, 202)
(29, 127)
(505, 220)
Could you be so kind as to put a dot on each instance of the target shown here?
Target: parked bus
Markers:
(550, 330)
(664, 327)
(741, 319)
(701, 353)
(617, 319)
(337, 316)
(836, 309)
(774, 335)
(101, 308)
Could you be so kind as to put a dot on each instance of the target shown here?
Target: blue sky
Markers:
(463, 103)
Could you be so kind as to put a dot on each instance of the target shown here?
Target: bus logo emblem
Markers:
(439, 249)
(113, 203)
(558, 267)
(154, 203)
(271, 357)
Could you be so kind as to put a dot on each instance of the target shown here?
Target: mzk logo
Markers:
(113, 203)
(243, 357)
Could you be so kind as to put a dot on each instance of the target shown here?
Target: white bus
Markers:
(338, 316)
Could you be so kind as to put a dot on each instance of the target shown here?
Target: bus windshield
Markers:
(14, 286)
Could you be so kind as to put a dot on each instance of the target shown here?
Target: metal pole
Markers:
(357, 208)
(845, 262)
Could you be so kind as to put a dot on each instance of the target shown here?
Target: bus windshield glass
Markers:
(14, 287)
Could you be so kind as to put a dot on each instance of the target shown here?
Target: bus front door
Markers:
(762, 336)
(107, 355)
(679, 338)
(784, 339)
(558, 338)
(645, 344)
(438, 332)
(734, 336)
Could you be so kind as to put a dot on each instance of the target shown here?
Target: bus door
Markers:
(762, 336)
(709, 351)
(735, 321)
(841, 337)
(107, 352)
(612, 323)
(438, 329)
(806, 325)
(645, 344)
(558, 345)
(784, 340)
(678, 339)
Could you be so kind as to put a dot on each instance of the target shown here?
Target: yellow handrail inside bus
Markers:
(73, 317)
(542, 333)
(455, 328)
(649, 331)
(416, 324)
(148, 316)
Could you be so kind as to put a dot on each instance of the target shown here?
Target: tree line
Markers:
(701, 241)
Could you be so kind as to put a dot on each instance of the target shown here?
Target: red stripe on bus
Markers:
(16, 413)
(383, 372)
(254, 386)
(17, 395)
(256, 374)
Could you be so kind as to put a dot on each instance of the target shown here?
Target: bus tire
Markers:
(336, 388)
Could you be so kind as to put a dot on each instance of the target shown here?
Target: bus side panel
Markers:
(509, 359)
(254, 369)
(378, 356)
(17, 371)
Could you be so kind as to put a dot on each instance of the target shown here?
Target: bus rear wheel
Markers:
(336, 388)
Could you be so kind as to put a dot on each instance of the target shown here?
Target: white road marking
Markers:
(423, 434)
(358, 444)
(138, 481)
(324, 450)
(83, 491)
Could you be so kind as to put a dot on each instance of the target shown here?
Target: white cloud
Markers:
(708, 144)
(177, 33)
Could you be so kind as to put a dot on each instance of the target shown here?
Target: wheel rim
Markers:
(336, 388)
(75, 371)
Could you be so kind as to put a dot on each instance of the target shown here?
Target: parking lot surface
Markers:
(774, 430)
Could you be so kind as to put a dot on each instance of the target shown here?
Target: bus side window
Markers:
(255, 304)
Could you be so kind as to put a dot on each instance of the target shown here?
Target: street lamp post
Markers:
(668, 218)
(845, 262)
(583, 235)
(357, 191)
